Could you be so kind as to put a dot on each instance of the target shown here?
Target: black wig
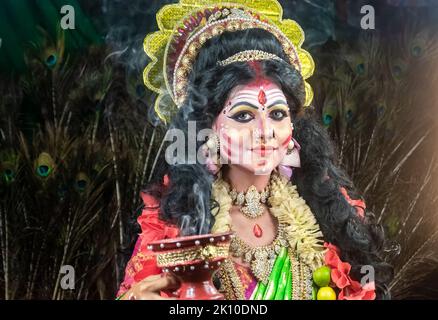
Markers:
(186, 201)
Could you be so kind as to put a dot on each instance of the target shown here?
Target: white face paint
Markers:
(255, 127)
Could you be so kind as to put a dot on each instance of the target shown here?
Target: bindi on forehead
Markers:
(262, 97)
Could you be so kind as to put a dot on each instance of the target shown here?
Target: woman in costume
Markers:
(268, 169)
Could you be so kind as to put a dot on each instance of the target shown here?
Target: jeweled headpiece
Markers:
(185, 27)
(249, 55)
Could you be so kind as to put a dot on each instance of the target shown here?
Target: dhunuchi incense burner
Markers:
(193, 259)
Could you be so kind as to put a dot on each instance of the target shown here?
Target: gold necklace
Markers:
(262, 258)
(252, 199)
(306, 250)
(285, 204)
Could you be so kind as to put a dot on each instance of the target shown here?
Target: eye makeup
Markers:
(279, 112)
(242, 112)
(242, 116)
(247, 105)
(245, 114)
(278, 103)
(243, 103)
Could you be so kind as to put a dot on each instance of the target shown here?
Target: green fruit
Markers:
(314, 292)
(321, 276)
(326, 293)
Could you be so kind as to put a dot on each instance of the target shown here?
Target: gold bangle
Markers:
(192, 255)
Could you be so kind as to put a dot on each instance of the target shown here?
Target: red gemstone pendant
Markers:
(257, 230)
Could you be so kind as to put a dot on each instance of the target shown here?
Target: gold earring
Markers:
(291, 144)
(290, 147)
(213, 144)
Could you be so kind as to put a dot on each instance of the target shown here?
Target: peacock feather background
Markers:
(79, 137)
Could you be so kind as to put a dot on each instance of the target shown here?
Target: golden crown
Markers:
(184, 27)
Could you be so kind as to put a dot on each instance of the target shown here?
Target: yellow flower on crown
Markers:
(184, 27)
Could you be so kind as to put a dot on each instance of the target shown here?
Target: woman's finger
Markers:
(151, 278)
(160, 283)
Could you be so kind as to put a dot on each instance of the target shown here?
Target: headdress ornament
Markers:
(184, 27)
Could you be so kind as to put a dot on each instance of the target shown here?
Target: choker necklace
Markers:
(250, 201)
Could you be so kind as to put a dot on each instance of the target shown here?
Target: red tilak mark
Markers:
(286, 142)
(262, 97)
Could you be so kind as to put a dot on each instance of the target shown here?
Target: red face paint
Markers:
(227, 139)
(286, 142)
(227, 147)
(227, 150)
(259, 80)
(255, 65)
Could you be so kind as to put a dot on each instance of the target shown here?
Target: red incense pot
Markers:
(193, 260)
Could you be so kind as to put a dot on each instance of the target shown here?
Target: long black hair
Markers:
(186, 201)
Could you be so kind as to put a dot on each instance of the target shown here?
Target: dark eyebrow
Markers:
(277, 102)
(243, 103)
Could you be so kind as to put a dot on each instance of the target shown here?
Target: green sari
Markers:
(288, 280)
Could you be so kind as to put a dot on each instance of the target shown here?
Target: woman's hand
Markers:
(150, 287)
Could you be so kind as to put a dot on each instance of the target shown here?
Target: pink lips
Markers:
(263, 150)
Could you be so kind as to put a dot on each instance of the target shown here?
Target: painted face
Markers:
(254, 127)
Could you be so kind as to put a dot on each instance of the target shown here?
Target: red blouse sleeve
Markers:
(143, 262)
(359, 205)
